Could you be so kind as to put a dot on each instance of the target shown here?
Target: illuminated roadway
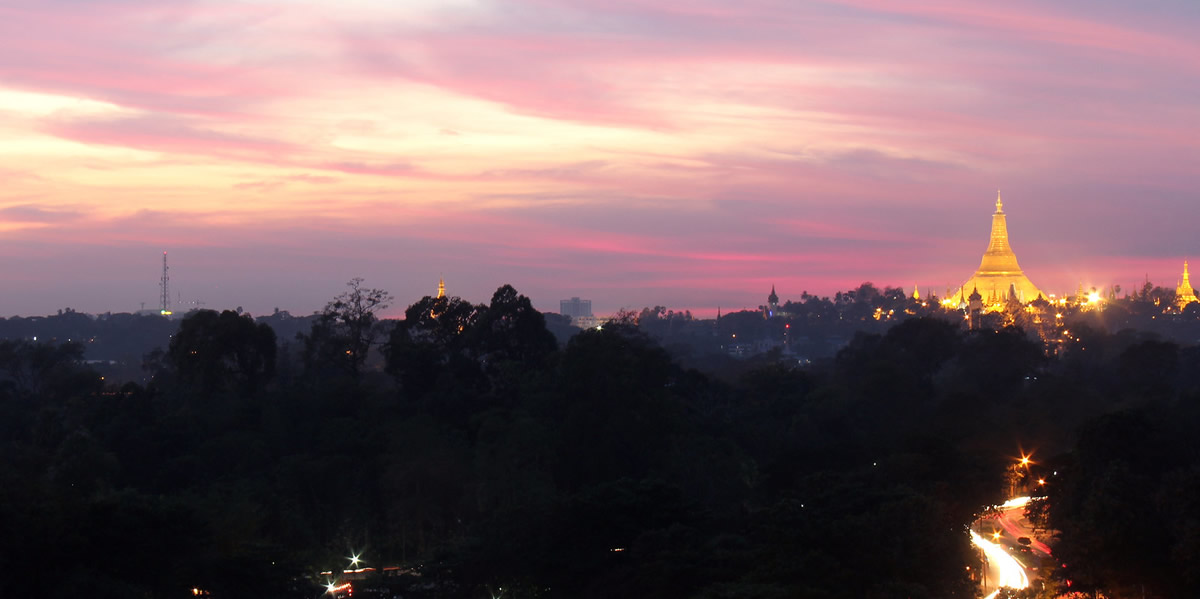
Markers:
(1001, 567)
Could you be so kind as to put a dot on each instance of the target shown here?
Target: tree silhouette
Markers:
(345, 331)
(223, 351)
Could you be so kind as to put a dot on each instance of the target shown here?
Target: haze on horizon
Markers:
(686, 154)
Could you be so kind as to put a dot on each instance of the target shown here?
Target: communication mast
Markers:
(166, 295)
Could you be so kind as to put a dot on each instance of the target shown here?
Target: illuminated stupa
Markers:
(999, 276)
(1184, 294)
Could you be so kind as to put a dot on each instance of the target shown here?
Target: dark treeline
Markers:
(465, 443)
(116, 344)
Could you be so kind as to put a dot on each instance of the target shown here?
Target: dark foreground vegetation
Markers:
(466, 446)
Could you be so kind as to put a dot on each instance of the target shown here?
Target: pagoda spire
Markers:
(998, 244)
(441, 288)
(1185, 294)
(999, 271)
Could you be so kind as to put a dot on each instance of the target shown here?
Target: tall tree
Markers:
(223, 351)
(345, 331)
(431, 334)
(511, 329)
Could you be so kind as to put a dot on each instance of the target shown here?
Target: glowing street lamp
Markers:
(1014, 473)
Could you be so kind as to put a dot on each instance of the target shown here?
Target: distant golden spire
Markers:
(916, 292)
(439, 307)
(1184, 294)
(999, 256)
(999, 271)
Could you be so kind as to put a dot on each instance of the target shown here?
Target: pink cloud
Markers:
(34, 213)
(313, 179)
(165, 134)
(135, 54)
(877, 133)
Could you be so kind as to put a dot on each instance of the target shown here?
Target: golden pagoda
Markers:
(1184, 294)
(999, 276)
(439, 304)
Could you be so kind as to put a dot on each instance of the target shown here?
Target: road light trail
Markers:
(1014, 502)
(1011, 526)
(1010, 572)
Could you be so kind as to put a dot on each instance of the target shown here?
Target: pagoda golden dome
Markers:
(999, 274)
(1184, 294)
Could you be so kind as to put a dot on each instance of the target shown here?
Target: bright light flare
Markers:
(1009, 572)
(1014, 502)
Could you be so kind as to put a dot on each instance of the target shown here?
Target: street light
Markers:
(1014, 474)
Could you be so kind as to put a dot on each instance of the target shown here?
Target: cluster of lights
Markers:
(332, 587)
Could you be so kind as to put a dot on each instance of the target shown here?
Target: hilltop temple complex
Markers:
(999, 279)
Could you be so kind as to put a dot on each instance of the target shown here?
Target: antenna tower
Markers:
(166, 295)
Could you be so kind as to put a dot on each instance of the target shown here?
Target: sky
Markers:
(688, 153)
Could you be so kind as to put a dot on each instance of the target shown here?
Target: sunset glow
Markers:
(688, 154)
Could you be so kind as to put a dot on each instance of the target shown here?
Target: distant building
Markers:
(1184, 294)
(577, 309)
(771, 309)
(999, 278)
(440, 302)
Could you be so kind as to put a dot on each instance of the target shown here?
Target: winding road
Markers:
(1006, 564)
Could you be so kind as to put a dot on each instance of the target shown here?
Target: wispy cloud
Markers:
(33, 213)
(162, 133)
(605, 146)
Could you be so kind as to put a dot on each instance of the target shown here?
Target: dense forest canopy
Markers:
(467, 447)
